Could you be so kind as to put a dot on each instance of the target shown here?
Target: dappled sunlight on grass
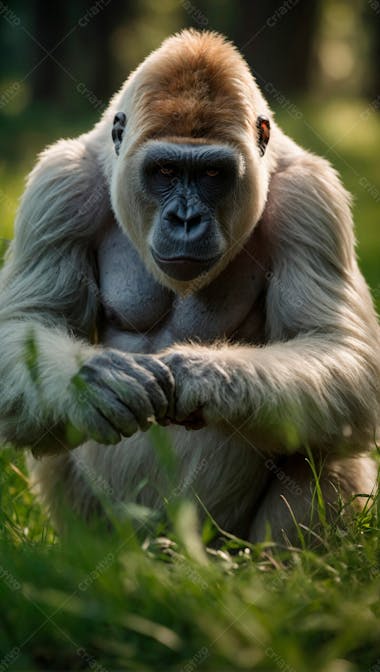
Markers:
(11, 187)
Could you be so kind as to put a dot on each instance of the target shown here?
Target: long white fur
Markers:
(320, 368)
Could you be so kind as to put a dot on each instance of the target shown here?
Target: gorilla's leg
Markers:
(291, 495)
(63, 490)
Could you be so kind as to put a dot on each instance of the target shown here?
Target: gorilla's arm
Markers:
(48, 276)
(51, 376)
(319, 375)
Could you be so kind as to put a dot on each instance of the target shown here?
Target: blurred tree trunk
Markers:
(276, 38)
(50, 25)
(84, 58)
(376, 60)
(101, 62)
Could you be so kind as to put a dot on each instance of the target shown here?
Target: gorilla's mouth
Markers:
(184, 268)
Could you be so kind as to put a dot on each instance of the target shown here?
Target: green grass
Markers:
(156, 599)
(150, 596)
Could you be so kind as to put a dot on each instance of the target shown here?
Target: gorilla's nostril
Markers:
(174, 219)
(192, 222)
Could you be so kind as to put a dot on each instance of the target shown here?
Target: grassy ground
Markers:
(155, 599)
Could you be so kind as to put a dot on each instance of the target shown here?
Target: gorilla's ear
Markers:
(118, 127)
(263, 125)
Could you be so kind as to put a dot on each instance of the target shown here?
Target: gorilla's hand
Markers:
(202, 386)
(117, 394)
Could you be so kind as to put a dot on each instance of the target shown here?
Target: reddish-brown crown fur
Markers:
(195, 86)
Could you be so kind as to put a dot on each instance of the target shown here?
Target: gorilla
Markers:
(185, 263)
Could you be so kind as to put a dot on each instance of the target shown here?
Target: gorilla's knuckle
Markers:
(164, 371)
(179, 366)
(158, 400)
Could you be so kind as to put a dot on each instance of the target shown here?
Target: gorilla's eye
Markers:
(167, 171)
(212, 172)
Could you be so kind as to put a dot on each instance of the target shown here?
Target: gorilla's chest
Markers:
(139, 315)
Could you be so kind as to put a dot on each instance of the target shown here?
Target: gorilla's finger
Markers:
(94, 425)
(121, 417)
(132, 394)
(162, 374)
(154, 376)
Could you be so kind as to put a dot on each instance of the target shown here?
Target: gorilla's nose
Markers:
(187, 222)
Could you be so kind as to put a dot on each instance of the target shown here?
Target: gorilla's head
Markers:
(191, 171)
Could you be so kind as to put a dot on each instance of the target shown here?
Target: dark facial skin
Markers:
(188, 183)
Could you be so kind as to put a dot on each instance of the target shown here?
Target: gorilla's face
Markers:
(188, 185)
(188, 204)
